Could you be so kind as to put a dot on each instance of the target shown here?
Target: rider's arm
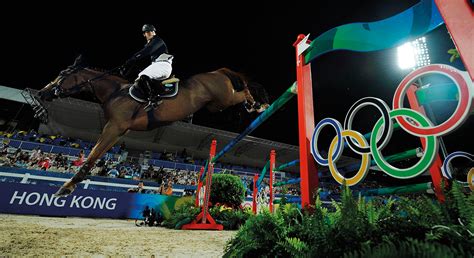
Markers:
(149, 49)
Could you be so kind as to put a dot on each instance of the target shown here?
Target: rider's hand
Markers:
(131, 61)
(123, 71)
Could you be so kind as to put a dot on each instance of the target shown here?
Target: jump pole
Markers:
(254, 194)
(276, 105)
(204, 220)
(435, 169)
(272, 167)
(308, 171)
(199, 186)
(458, 15)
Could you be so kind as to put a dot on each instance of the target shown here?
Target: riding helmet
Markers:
(148, 27)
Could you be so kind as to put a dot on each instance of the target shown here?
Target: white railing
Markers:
(27, 176)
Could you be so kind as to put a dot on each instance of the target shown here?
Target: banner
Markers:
(371, 36)
(16, 198)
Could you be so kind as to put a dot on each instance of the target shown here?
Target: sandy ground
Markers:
(46, 236)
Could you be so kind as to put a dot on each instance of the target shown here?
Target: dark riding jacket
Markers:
(152, 49)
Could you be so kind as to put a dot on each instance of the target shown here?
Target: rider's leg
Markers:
(143, 83)
(158, 71)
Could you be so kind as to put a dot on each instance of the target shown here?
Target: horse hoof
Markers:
(64, 191)
(262, 108)
(250, 110)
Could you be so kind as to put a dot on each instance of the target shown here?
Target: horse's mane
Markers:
(81, 63)
(114, 72)
(99, 69)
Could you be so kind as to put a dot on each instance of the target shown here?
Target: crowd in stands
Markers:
(135, 168)
(59, 140)
(37, 159)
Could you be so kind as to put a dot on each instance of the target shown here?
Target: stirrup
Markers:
(152, 105)
(130, 92)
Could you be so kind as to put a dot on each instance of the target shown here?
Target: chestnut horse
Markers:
(216, 90)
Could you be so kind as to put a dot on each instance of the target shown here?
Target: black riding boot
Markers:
(143, 84)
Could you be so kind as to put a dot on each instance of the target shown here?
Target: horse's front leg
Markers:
(110, 135)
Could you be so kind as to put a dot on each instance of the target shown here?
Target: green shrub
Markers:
(227, 190)
(184, 214)
(229, 218)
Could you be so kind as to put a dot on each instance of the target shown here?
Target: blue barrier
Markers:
(39, 200)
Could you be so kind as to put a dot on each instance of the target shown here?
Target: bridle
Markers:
(61, 92)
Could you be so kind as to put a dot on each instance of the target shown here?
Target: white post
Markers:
(25, 178)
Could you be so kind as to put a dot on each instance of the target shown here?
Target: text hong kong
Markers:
(77, 201)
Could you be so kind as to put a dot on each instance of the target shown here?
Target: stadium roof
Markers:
(11, 94)
(82, 119)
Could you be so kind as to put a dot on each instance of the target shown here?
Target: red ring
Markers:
(453, 120)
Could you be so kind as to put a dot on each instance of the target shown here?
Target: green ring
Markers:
(422, 165)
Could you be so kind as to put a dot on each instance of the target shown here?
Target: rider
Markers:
(160, 68)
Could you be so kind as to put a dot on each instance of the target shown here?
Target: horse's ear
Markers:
(78, 61)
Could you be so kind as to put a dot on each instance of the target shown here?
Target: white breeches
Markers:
(157, 70)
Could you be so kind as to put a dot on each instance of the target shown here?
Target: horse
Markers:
(215, 90)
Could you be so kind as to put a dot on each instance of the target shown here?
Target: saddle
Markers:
(153, 91)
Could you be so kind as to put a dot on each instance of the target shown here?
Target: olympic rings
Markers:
(422, 127)
(340, 141)
(365, 163)
(428, 156)
(446, 169)
(388, 125)
(462, 109)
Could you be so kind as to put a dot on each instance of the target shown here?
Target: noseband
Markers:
(61, 92)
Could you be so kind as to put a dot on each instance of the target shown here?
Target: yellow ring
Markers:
(364, 168)
(470, 176)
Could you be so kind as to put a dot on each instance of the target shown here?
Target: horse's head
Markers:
(68, 82)
(258, 98)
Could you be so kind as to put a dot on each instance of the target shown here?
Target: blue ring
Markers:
(339, 146)
(447, 161)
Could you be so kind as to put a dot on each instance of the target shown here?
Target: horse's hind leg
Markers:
(110, 135)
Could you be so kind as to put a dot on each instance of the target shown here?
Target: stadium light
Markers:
(413, 54)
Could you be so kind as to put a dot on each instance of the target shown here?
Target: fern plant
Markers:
(410, 248)
(357, 227)
(295, 247)
(258, 237)
(183, 215)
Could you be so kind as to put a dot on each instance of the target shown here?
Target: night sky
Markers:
(254, 39)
